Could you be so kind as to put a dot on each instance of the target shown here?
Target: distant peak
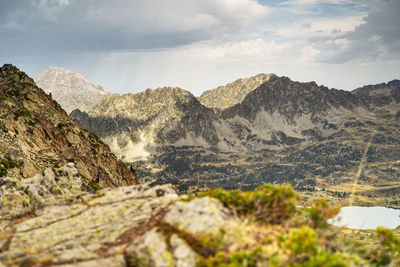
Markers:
(234, 92)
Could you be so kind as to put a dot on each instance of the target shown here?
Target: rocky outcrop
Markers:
(135, 124)
(293, 99)
(35, 133)
(391, 88)
(70, 89)
(233, 93)
(154, 226)
(49, 187)
(135, 225)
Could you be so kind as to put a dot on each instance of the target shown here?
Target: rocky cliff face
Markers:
(35, 132)
(233, 93)
(70, 89)
(135, 124)
(391, 88)
(281, 131)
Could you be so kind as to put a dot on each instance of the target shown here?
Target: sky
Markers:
(131, 45)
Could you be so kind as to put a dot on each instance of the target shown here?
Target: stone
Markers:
(200, 215)
(116, 261)
(184, 255)
(150, 249)
(52, 186)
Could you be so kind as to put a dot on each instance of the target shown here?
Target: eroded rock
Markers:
(135, 225)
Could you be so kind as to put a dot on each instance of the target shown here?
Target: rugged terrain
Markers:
(382, 89)
(35, 133)
(233, 93)
(70, 89)
(60, 216)
(282, 130)
(142, 226)
(136, 124)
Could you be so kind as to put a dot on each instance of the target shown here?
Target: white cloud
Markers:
(376, 38)
(177, 15)
(315, 2)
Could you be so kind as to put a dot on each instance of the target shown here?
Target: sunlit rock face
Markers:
(273, 129)
(70, 89)
(137, 225)
(35, 133)
(134, 125)
(233, 93)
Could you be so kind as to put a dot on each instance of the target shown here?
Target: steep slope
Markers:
(391, 88)
(282, 131)
(135, 124)
(232, 93)
(70, 89)
(35, 132)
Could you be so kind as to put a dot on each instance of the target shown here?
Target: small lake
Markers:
(366, 217)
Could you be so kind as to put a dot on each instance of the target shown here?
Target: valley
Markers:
(281, 131)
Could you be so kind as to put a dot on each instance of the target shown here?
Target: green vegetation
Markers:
(5, 164)
(276, 233)
(90, 185)
(267, 203)
(61, 125)
(21, 112)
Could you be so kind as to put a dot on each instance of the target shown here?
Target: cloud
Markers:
(82, 25)
(377, 38)
(315, 2)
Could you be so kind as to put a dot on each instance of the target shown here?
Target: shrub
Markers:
(267, 203)
(319, 212)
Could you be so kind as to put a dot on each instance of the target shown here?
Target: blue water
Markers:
(366, 217)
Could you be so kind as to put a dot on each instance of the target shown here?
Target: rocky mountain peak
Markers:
(139, 122)
(391, 88)
(72, 90)
(290, 99)
(166, 101)
(35, 133)
(233, 93)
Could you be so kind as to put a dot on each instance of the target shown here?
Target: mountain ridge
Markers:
(282, 131)
(232, 93)
(36, 133)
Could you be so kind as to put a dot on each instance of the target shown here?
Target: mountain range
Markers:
(54, 211)
(259, 129)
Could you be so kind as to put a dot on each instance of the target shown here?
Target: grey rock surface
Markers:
(136, 225)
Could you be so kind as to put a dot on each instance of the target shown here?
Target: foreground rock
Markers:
(110, 227)
(143, 226)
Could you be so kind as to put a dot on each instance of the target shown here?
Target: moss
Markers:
(3, 171)
(90, 185)
(62, 125)
(32, 122)
(7, 163)
(13, 93)
(21, 112)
